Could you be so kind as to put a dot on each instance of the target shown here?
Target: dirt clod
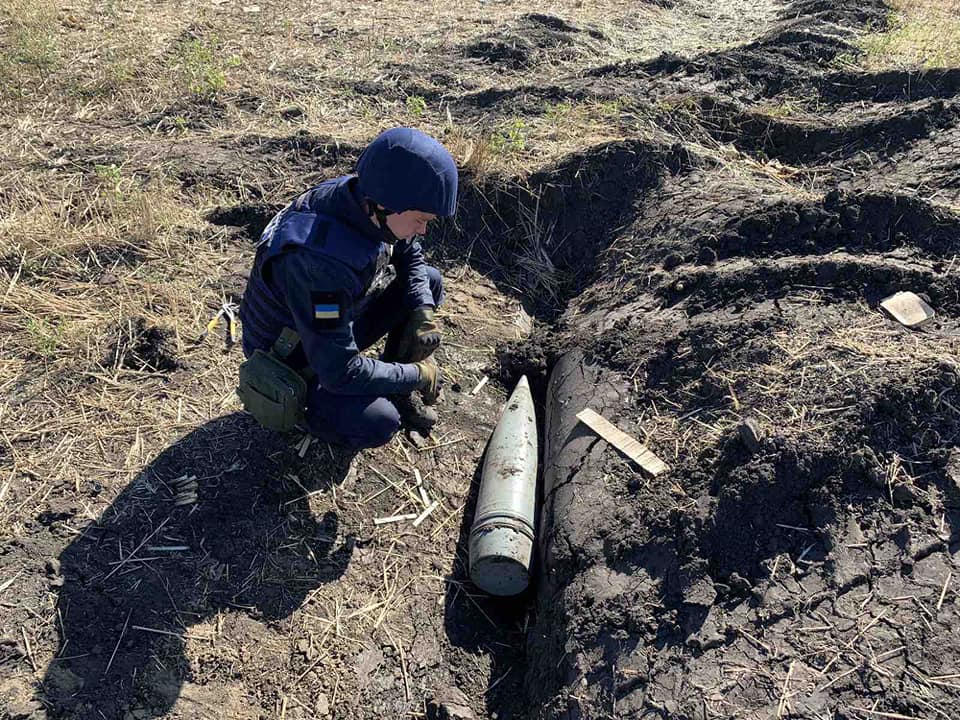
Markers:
(449, 704)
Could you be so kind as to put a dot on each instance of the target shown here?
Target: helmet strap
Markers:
(381, 214)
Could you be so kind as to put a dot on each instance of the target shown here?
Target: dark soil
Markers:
(798, 142)
(240, 546)
(137, 346)
(534, 39)
(710, 283)
(799, 557)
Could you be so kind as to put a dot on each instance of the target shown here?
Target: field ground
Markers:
(688, 211)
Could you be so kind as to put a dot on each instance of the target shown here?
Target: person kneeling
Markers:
(335, 271)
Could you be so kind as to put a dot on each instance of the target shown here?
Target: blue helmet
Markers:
(404, 169)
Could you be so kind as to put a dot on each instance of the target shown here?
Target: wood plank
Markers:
(631, 447)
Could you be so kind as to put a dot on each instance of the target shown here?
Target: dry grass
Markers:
(108, 268)
(922, 34)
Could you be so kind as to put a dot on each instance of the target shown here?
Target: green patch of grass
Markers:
(46, 337)
(29, 47)
(610, 108)
(202, 65)
(416, 105)
(677, 103)
(511, 138)
(781, 109)
(109, 177)
(558, 112)
(36, 47)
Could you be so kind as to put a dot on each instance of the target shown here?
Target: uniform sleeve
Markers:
(321, 310)
(412, 272)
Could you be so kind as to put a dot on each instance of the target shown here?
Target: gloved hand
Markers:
(421, 335)
(430, 379)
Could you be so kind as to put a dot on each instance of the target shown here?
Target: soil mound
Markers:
(543, 236)
(797, 559)
(534, 39)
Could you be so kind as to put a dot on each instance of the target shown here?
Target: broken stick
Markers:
(479, 386)
(424, 498)
(426, 513)
(394, 518)
(632, 448)
(305, 445)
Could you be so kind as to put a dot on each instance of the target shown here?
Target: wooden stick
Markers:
(26, 645)
(167, 632)
(943, 593)
(143, 542)
(305, 445)
(394, 518)
(479, 386)
(856, 637)
(424, 498)
(167, 548)
(320, 658)
(9, 582)
(440, 445)
(892, 716)
(426, 513)
(632, 448)
(838, 678)
(115, 647)
(783, 691)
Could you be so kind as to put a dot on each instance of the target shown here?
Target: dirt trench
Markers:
(801, 566)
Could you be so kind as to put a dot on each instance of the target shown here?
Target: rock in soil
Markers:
(750, 434)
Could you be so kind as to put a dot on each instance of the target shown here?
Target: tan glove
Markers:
(430, 378)
(421, 335)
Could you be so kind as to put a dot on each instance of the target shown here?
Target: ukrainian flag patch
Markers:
(326, 312)
(327, 309)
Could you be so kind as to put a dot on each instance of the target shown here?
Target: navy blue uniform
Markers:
(323, 270)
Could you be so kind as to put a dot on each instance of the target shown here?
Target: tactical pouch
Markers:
(273, 392)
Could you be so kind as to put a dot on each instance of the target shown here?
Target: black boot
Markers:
(413, 413)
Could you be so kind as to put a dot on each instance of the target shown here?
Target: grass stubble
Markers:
(101, 245)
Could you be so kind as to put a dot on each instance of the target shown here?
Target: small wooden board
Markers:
(632, 448)
(908, 309)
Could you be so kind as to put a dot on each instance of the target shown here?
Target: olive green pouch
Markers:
(273, 392)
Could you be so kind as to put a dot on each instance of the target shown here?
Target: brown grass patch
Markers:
(922, 33)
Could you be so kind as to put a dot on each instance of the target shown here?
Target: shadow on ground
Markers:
(150, 580)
